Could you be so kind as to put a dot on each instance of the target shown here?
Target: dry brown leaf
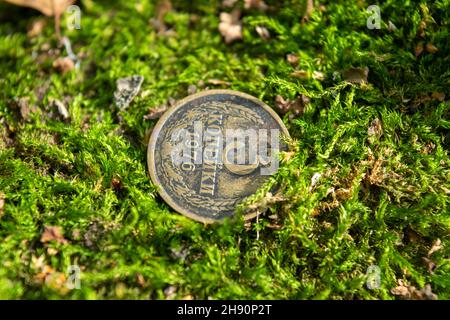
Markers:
(263, 32)
(52, 278)
(116, 183)
(411, 293)
(45, 271)
(37, 263)
(23, 104)
(421, 29)
(170, 292)
(255, 4)
(301, 74)
(295, 107)
(292, 59)
(356, 75)
(230, 26)
(36, 27)
(156, 113)
(318, 75)
(52, 251)
(163, 7)
(268, 200)
(309, 10)
(440, 96)
(411, 235)
(57, 281)
(63, 64)
(391, 26)
(47, 7)
(429, 264)
(140, 279)
(431, 48)
(2, 203)
(126, 90)
(192, 88)
(61, 108)
(53, 233)
(228, 3)
(418, 49)
(437, 245)
(401, 290)
(218, 82)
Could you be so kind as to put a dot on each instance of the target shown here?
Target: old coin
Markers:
(213, 149)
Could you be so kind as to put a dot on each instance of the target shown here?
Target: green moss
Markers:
(380, 200)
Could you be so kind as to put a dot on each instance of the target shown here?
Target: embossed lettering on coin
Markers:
(212, 150)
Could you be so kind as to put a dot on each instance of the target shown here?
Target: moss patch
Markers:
(366, 181)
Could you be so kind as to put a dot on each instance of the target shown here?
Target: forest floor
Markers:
(363, 207)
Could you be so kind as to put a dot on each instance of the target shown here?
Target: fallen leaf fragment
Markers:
(263, 32)
(301, 74)
(37, 262)
(296, 107)
(255, 4)
(53, 233)
(309, 10)
(429, 264)
(421, 29)
(268, 200)
(437, 245)
(2, 203)
(36, 27)
(52, 278)
(391, 26)
(162, 8)
(116, 183)
(126, 89)
(64, 64)
(47, 7)
(52, 251)
(62, 110)
(411, 235)
(440, 96)
(140, 279)
(192, 88)
(318, 75)
(411, 293)
(218, 82)
(418, 49)
(23, 103)
(170, 292)
(230, 26)
(401, 290)
(228, 3)
(431, 48)
(292, 59)
(156, 113)
(356, 75)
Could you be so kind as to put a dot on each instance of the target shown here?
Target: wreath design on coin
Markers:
(177, 184)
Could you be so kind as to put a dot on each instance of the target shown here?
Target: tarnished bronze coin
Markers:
(213, 149)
